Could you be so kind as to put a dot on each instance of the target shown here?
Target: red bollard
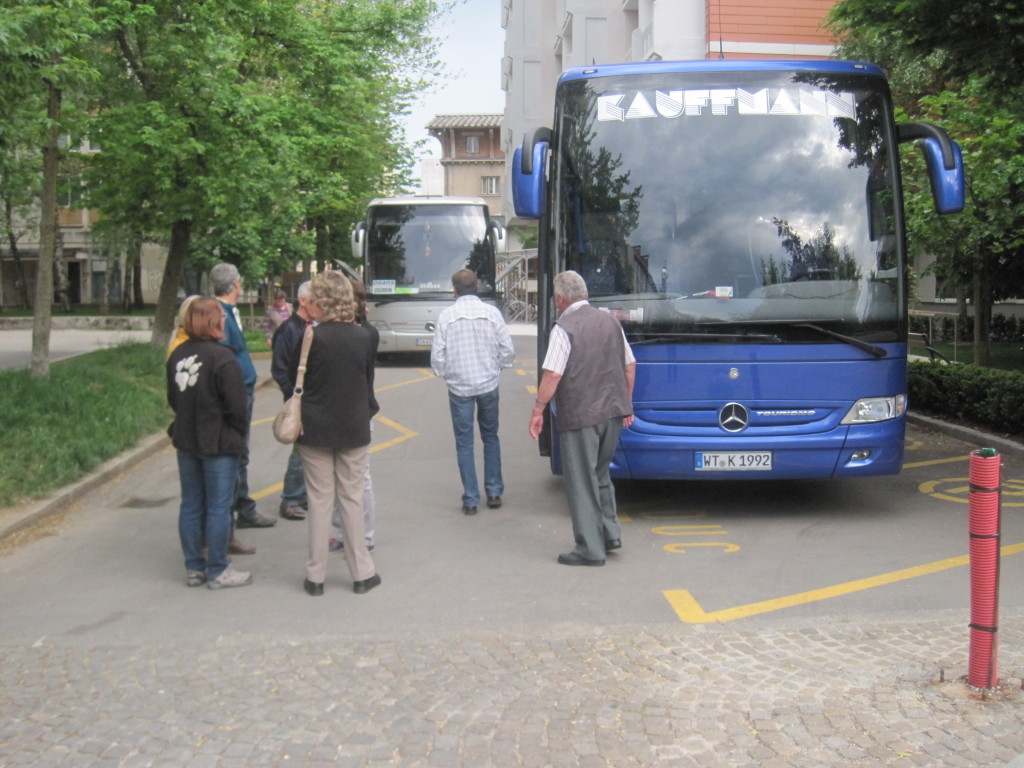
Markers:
(982, 670)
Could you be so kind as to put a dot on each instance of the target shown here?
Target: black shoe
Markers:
(572, 558)
(366, 585)
(612, 544)
(468, 510)
(493, 502)
(256, 521)
(312, 588)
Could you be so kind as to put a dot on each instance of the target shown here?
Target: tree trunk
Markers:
(40, 365)
(166, 308)
(137, 302)
(132, 272)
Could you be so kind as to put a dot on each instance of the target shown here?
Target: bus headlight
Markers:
(380, 325)
(871, 409)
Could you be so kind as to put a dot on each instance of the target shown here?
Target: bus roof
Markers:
(723, 65)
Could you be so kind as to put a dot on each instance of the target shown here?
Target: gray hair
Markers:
(303, 292)
(465, 282)
(224, 277)
(570, 286)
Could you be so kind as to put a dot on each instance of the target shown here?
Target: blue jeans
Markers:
(486, 407)
(294, 492)
(207, 492)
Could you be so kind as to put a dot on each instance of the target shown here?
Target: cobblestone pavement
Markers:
(842, 694)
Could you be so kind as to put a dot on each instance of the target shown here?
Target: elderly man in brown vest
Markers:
(589, 371)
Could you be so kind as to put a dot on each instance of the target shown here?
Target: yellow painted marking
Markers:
(426, 376)
(267, 491)
(686, 530)
(531, 388)
(406, 434)
(690, 611)
(934, 462)
(680, 546)
(958, 489)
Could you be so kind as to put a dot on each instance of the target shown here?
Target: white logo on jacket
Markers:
(188, 373)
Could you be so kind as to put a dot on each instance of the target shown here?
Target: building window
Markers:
(472, 145)
(490, 185)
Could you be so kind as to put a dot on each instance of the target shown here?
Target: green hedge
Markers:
(986, 398)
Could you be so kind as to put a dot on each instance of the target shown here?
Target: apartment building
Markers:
(472, 158)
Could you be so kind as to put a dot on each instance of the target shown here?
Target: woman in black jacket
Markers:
(208, 395)
(337, 405)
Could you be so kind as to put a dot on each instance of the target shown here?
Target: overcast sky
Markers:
(472, 44)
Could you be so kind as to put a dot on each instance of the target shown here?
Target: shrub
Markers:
(984, 397)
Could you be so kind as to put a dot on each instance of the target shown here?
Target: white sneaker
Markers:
(229, 577)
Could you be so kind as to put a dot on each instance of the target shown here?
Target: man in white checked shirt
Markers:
(471, 346)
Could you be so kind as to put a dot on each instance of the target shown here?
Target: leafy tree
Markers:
(40, 56)
(228, 125)
(960, 65)
(957, 39)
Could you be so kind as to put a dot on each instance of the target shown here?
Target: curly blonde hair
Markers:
(332, 294)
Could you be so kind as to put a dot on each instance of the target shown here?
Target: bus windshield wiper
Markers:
(664, 338)
(871, 349)
(868, 347)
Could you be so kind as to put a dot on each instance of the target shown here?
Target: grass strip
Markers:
(90, 409)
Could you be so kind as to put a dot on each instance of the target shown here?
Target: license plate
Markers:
(428, 342)
(746, 461)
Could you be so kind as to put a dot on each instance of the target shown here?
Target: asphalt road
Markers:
(742, 624)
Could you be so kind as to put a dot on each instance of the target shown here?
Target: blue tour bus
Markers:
(744, 221)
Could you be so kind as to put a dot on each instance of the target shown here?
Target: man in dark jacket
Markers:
(288, 338)
(227, 285)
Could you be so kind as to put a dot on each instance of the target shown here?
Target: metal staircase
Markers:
(514, 285)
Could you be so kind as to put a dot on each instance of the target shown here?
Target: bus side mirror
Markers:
(358, 233)
(499, 237)
(528, 174)
(947, 183)
(944, 160)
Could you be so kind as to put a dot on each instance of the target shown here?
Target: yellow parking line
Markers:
(406, 434)
(934, 462)
(690, 611)
(427, 375)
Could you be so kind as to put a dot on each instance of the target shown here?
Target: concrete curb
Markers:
(69, 493)
(967, 434)
(107, 471)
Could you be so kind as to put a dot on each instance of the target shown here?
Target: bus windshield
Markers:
(760, 208)
(413, 250)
